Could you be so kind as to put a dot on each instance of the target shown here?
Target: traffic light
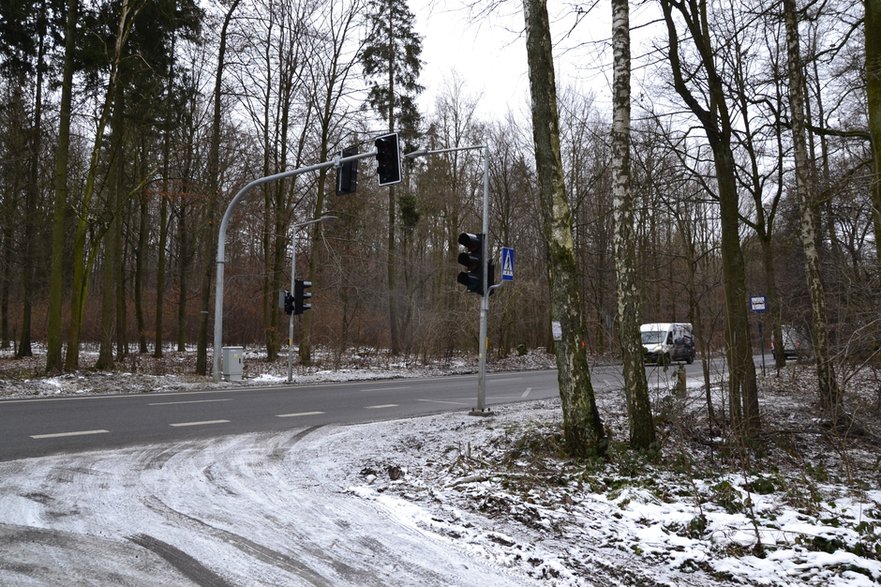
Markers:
(347, 173)
(288, 302)
(388, 157)
(472, 259)
(301, 295)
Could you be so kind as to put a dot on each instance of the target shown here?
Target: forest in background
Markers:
(173, 106)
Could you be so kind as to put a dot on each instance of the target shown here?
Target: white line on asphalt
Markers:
(381, 407)
(192, 401)
(298, 414)
(64, 434)
(504, 380)
(437, 401)
(387, 388)
(526, 393)
(202, 423)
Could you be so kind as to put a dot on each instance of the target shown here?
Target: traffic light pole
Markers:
(221, 241)
(481, 409)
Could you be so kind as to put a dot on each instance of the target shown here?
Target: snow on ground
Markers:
(452, 499)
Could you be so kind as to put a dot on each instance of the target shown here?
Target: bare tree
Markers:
(757, 100)
(804, 187)
(213, 194)
(872, 27)
(715, 119)
(329, 71)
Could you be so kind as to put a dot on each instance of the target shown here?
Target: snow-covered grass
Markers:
(142, 373)
(452, 499)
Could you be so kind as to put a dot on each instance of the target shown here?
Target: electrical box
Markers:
(232, 363)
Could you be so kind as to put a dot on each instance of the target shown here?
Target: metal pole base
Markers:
(485, 412)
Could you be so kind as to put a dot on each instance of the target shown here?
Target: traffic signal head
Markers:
(301, 295)
(288, 302)
(388, 157)
(347, 173)
(472, 258)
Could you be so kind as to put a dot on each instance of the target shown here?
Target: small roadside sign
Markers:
(507, 264)
(758, 304)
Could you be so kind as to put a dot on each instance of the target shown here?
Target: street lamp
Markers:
(295, 228)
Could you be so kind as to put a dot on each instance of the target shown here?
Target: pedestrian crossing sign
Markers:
(507, 264)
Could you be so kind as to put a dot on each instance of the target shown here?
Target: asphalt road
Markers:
(38, 427)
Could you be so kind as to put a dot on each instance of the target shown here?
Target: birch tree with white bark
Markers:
(639, 409)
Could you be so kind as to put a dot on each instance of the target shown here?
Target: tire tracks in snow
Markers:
(258, 509)
(187, 565)
(246, 546)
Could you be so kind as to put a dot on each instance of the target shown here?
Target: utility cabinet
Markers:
(232, 363)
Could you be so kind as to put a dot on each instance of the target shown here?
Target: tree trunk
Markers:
(872, 29)
(112, 239)
(639, 409)
(56, 279)
(81, 264)
(108, 297)
(123, 210)
(716, 122)
(213, 194)
(5, 279)
(582, 426)
(743, 394)
(31, 196)
(269, 296)
(140, 270)
(160, 273)
(164, 196)
(278, 220)
(804, 187)
(183, 274)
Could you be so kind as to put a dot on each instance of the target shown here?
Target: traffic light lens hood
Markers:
(470, 241)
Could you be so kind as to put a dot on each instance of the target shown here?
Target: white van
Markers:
(664, 342)
(795, 344)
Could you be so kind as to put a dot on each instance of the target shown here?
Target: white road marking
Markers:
(298, 414)
(192, 401)
(381, 407)
(64, 434)
(503, 379)
(202, 423)
(387, 388)
(526, 393)
(437, 401)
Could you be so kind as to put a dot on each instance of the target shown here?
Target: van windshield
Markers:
(652, 337)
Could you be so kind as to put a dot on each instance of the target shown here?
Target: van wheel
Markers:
(690, 358)
(664, 360)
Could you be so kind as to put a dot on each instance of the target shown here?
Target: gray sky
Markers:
(489, 53)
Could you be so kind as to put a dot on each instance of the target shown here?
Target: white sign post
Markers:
(759, 305)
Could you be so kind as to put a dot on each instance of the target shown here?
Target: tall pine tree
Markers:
(391, 64)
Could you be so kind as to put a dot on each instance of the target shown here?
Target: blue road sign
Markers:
(758, 304)
(507, 264)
